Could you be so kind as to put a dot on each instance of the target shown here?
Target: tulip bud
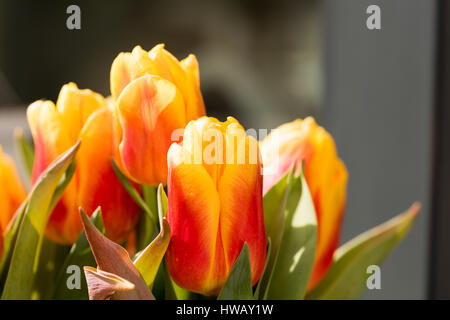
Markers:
(325, 173)
(184, 74)
(155, 94)
(12, 193)
(215, 204)
(81, 114)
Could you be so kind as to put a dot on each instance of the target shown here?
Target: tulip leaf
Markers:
(80, 255)
(24, 260)
(51, 258)
(239, 283)
(274, 204)
(295, 258)
(68, 174)
(150, 258)
(347, 277)
(25, 149)
(9, 238)
(104, 284)
(172, 290)
(258, 287)
(162, 203)
(131, 190)
(113, 258)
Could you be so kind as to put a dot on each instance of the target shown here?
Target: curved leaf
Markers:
(150, 258)
(80, 255)
(295, 258)
(26, 151)
(20, 279)
(347, 276)
(103, 285)
(113, 258)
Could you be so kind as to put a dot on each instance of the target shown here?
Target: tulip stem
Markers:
(149, 193)
(148, 225)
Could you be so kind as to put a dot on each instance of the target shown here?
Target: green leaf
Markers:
(10, 237)
(25, 149)
(131, 190)
(295, 258)
(147, 228)
(162, 202)
(239, 283)
(149, 260)
(20, 279)
(148, 222)
(347, 276)
(274, 204)
(62, 185)
(51, 258)
(258, 290)
(172, 290)
(114, 259)
(80, 255)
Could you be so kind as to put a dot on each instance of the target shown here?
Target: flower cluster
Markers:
(225, 218)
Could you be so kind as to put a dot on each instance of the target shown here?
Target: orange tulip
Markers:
(12, 193)
(325, 173)
(215, 204)
(81, 114)
(155, 94)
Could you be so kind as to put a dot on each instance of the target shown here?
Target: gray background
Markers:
(378, 105)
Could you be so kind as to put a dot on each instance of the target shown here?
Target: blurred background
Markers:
(268, 62)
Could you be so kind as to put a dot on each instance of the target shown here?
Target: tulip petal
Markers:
(49, 134)
(127, 67)
(75, 107)
(150, 110)
(194, 221)
(12, 192)
(240, 191)
(196, 106)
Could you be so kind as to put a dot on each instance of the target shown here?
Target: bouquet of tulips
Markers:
(140, 195)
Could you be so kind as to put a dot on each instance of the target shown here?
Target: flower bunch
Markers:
(242, 219)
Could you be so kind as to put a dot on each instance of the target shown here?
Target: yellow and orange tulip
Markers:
(154, 94)
(81, 114)
(326, 175)
(12, 193)
(215, 204)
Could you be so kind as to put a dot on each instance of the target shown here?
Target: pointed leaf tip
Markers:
(113, 258)
(347, 276)
(149, 260)
(103, 285)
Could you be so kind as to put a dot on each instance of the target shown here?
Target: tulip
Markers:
(215, 205)
(81, 114)
(326, 175)
(154, 95)
(12, 193)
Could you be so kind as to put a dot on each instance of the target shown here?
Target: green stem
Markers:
(148, 224)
